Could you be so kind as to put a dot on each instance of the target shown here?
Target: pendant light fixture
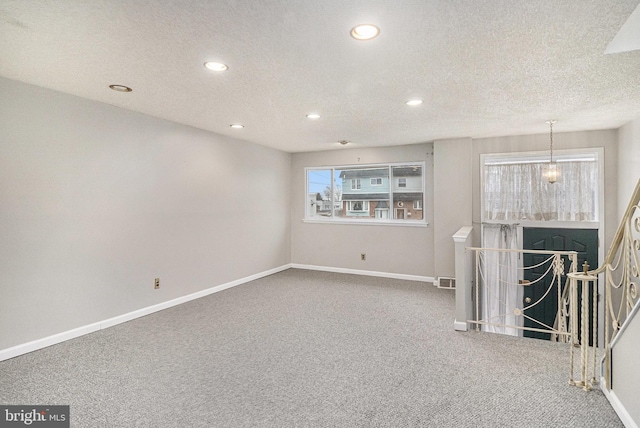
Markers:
(552, 173)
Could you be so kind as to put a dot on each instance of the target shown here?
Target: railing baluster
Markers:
(477, 283)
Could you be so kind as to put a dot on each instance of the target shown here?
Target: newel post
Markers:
(464, 278)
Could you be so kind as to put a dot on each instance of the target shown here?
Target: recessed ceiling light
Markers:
(343, 142)
(120, 88)
(413, 102)
(364, 31)
(313, 116)
(236, 126)
(216, 66)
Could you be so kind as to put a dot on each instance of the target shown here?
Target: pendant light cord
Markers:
(551, 138)
(551, 122)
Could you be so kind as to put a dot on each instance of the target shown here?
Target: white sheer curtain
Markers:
(501, 293)
(521, 191)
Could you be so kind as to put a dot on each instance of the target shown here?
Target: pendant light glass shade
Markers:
(553, 172)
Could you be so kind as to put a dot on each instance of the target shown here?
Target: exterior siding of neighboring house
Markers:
(408, 200)
(318, 206)
(365, 193)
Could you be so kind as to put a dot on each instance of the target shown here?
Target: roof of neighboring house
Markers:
(407, 171)
(363, 173)
(407, 196)
(398, 171)
(365, 196)
(397, 196)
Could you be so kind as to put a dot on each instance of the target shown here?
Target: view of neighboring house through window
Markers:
(383, 192)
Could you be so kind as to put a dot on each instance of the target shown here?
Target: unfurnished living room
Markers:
(226, 213)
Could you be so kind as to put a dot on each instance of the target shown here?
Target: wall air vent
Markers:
(446, 282)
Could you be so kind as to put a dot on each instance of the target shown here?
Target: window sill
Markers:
(369, 222)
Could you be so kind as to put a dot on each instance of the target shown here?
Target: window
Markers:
(517, 189)
(385, 193)
(382, 212)
(359, 206)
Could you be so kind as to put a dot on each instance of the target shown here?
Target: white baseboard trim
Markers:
(34, 345)
(621, 411)
(460, 325)
(365, 272)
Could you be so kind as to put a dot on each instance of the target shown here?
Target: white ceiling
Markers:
(483, 67)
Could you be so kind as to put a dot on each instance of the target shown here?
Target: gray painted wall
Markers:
(626, 368)
(453, 181)
(97, 201)
(390, 249)
(628, 163)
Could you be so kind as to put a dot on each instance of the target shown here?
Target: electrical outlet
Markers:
(156, 283)
(363, 257)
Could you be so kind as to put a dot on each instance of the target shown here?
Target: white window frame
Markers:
(355, 184)
(376, 181)
(597, 152)
(369, 220)
(402, 182)
(417, 204)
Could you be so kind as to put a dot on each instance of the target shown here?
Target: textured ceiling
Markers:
(483, 67)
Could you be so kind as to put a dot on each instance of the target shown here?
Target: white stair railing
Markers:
(575, 312)
(621, 269)
(512, 312)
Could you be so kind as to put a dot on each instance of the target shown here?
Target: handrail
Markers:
(618, 237)
(511, 250)
(623, 258)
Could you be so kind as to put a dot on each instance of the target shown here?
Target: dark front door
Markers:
(583, 241)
